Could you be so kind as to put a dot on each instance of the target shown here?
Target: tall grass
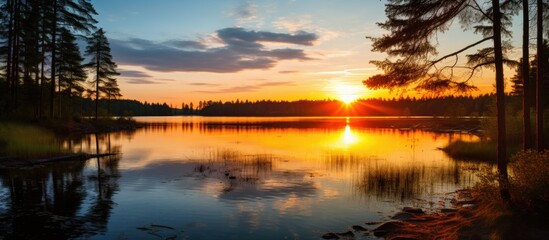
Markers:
(528, 183)
(25, 141)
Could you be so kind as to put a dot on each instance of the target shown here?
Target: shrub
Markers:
(529, 180)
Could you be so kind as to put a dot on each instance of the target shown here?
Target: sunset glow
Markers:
(347, 93)
(247, 50)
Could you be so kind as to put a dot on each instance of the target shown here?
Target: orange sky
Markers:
(180, 52)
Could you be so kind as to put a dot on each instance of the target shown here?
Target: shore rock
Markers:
(359, 228)
(346, 234)
(330, 235)
(387, 227)
(413, 210)
(403, 216)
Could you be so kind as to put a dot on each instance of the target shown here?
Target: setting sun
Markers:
(347, 93)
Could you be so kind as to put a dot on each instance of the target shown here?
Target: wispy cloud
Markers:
(351, 71)
(240, 49)
(203, 84)
(287, 71)
(133, 74)
(248, 88)
(140, 77)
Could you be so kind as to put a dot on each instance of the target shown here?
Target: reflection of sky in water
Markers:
(219, 181)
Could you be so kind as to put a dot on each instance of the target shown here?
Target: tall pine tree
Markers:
(102, 65)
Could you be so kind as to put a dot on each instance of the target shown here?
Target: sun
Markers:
(347, 93)
(347, 98)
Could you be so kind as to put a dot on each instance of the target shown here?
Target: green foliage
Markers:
(26, 141)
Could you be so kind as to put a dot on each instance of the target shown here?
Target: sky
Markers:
(182, 51)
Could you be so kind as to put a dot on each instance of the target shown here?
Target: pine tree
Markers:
(70, 71)
(413, 26)
(102, 65)
(76, 15)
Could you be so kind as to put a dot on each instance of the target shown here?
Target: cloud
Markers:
(249, 88)
(235, 35)
(240, 49)
(246, 11)
(133, 74)
(142, 81)
(351, 71)
(203, 84)
(184, 44)
(287, 71)
(140, 77)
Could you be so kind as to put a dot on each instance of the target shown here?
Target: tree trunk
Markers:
(9, 60)
(97, 79)
(53, 58)
(527, 141)
(15, 54)
(42, 71)
(500, 102)
(540, 145)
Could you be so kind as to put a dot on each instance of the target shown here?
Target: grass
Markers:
(484, 151)
(27, 141)
(527, 214)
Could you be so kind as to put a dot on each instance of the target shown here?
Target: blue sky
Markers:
(182, 51)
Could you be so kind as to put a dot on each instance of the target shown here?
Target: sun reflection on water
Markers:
(349, 138)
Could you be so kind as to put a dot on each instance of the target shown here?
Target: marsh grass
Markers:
(26, 141)
(484, 151)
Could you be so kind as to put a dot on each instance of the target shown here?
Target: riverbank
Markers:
(472, 217)
(30, 141)
(14, 162)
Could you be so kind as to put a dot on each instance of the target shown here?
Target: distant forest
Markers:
(483, 105)
(442, 106)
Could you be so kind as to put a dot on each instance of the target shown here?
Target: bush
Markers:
(529, 180)
(528, 183)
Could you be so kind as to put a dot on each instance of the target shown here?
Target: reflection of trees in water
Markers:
(45, 202)
(89, 143)
(387, 180)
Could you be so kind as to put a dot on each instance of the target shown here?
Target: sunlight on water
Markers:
(240, 178)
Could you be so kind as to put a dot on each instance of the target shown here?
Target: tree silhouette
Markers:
(413, 26)
(102, 64)
(70, 71)
(29, 34)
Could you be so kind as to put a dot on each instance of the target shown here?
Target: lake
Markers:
(235, 178)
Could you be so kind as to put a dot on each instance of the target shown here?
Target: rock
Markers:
(372, 223)
(346, 234)
(448, 210)
(330, 235)
(413, 210)
(387, 227)
(359, 228)
(403, 216)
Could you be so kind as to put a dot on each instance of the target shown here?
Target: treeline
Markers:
(482, 105)
(128, 108)
(42, 70)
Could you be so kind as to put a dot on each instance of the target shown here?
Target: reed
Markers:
(26, 141)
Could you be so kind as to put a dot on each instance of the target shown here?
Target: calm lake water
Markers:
(233, 178)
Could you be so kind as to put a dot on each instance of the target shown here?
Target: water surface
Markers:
(234, 178)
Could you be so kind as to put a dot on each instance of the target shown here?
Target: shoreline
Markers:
(14, 162)
(471, 217)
